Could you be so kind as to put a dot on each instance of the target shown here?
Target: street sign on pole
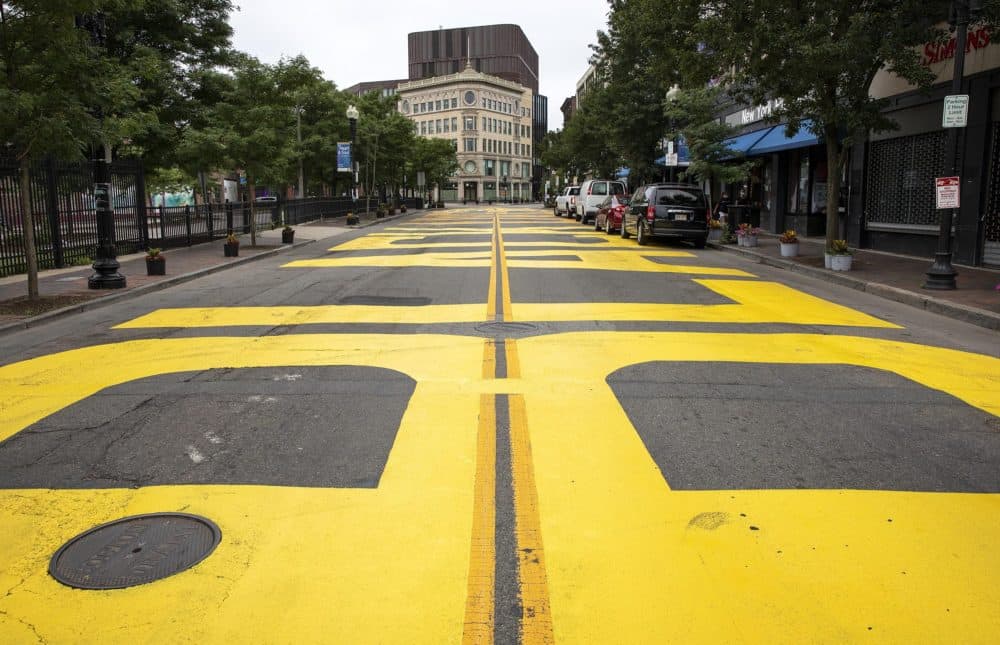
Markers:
(671, 159)
(956, 111)
(947, 190)
(343, 156)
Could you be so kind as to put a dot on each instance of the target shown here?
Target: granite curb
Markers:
(142, 290)
(973, 315)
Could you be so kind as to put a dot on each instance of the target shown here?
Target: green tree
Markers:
(385, 140)
(818, 58)
(54, 85)
(693, 114)
(435, 158)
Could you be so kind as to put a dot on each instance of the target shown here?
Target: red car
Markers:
(609, 213)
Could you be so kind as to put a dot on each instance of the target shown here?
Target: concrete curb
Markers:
(973, 315)
(138, 291)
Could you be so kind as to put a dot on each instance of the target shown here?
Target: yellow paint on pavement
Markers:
(478, 628)
(630, 561)
(385, 565)
(307, 315)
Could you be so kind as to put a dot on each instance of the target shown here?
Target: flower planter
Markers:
(231, 250)
(156, 266)
(828, 260)
(352, 220)
(714, 234)
(748, 240)
(789, 250)
(288, 236)
(841, 262)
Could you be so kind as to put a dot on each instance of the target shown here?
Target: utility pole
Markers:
(298, 130)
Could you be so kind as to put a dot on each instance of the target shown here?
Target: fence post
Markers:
(187, 222)
(140, 202)
(229, 217)
(163, 223)
(52, 206)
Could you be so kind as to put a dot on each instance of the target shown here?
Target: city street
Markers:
(488, 424)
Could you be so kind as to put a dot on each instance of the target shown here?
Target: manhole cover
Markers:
(134, 550)
(505, 328)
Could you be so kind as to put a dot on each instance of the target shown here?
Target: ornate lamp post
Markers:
(352, 118)
(941, 275)
(106, 264)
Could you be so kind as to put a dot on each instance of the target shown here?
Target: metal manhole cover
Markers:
(505, 328)
(134, 550)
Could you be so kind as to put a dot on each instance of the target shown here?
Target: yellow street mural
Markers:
(609, 553)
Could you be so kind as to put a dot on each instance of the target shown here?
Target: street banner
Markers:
(947, 189)
(344, 157)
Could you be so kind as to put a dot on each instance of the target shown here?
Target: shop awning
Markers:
(745, 142)
(776, 141)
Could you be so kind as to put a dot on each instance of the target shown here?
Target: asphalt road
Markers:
(489, 424)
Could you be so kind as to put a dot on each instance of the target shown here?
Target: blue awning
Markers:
(776, 141)
(622, 172)
(745, 142)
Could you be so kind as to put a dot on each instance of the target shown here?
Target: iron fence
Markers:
(64, 218)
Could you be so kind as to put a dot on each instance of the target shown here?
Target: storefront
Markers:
(895, 210)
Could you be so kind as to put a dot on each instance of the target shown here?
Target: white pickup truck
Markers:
(566, 203)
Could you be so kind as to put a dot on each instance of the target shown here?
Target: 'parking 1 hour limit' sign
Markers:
(947, 192)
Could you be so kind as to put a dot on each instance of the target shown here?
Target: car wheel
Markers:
(597, 224)
(555, 211)
(640, 235)
(576, 216)
(623, 232)
(607, 225)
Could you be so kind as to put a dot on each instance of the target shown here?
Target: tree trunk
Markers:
(833, 154)
(253, 212)
(27, 223)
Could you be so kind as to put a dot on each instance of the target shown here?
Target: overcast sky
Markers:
(366, 41)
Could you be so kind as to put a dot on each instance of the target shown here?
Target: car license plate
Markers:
(680, 217)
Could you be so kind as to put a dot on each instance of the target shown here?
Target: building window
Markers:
(447, 125)
(454, 103)
(423, 127)
(470, 145)
(528, 131)
(491, 170)
(437, 105)
(470, 123)
(454, 124)
(437, 126)
(484, 123)
(504, 168)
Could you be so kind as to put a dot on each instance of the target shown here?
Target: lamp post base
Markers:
(107, 276)
(941, 276)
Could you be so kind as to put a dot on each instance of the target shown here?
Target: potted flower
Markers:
(789, 242)
(402, 208)
(714, 230)
(232, 246)
(380, 211)
(352, 219)
(747, 235)
(156, 263)
(840, 256)
(287, 235)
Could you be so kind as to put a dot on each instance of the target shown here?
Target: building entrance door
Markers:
(470, 192)
(991, 219)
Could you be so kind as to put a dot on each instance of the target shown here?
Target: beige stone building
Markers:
(488, 120)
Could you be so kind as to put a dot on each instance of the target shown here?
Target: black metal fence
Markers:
(64, 219)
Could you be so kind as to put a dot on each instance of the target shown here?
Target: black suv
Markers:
(676, 211)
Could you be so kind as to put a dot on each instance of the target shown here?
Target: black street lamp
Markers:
(352, 118)
(106, 264)
(941, 275)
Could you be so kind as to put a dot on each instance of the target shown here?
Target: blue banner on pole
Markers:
(344, 157)
(683, 152)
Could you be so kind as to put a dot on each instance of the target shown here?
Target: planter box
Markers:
(714, 234)
(156, 266)
(789, 250)
(231, 250)
(827, 260)
(747, 240)
(841, 262)
(287, 237)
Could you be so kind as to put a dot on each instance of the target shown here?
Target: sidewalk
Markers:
(65, 291)
(895, 277)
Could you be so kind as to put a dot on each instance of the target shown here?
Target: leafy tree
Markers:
(693, 113)
(53, 89)
(170, 49)
(819, 58)
(252, 129)
(385, 139)
(435, 158)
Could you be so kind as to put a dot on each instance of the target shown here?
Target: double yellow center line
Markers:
(535, 626)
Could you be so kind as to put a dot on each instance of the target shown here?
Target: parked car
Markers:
(610, 212)
(673, 211)
(566, 203)
(592, 193)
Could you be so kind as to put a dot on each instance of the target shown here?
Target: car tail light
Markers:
(572, 200)
(589, 189)
(650, 213)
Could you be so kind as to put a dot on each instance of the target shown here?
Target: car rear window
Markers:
(574, 191)
(680, 197)
(617, 188)
(599, 188)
